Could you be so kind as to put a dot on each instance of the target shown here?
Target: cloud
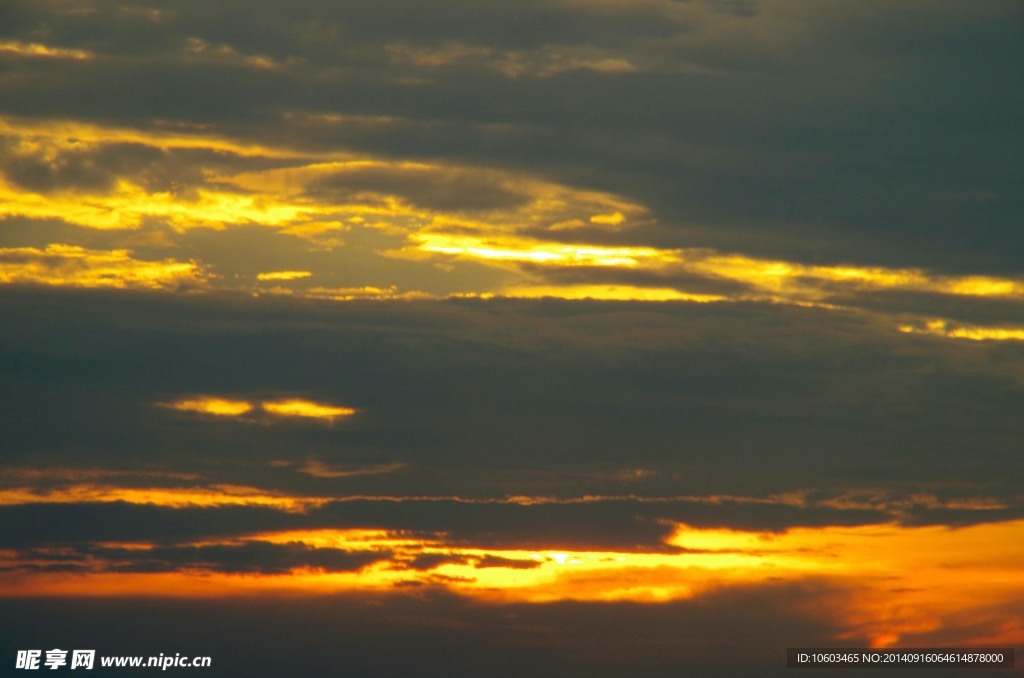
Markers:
(321, 470)
(284, 275)
(297, 407)
(247, 558)
(264, 410)
(823, 198)
(218, 407)
(33, 50)
(417, 217)
(72, 266)
(941, 328)
(170, 496)
(688, 391)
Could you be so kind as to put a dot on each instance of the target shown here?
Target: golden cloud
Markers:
(264, 410)
(305, 409)
(38, 50)
(442, 215)
(73, 266)
(943, 328)
(218, 407)
(284, 275)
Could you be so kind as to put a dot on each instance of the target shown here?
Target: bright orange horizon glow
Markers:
(890, 581)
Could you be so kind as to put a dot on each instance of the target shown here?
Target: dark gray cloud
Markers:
(719, 398)
(247, 558)
(624, 525)
(51, 524)
(823, 132)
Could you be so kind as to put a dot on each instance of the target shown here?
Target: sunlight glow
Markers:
(519, 250)
(888, 581)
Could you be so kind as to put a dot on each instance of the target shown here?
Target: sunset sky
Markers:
(555, 337)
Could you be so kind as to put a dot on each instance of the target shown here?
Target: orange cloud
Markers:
(891, 582)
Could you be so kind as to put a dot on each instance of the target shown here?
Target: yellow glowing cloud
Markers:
(52, 134)
(351, 539)
(316, 196)
(764, 279)
(366, 292)
(608, 293)
(800, 281)
(69, 265)
(521, 250)
(394, 197)
(295, 407)
(241, 409)
(218, 407)
(613, 219)
(284, 275)
(943, 328)
(35, 49)
(128, 205)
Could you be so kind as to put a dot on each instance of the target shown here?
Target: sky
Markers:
(561, 337)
